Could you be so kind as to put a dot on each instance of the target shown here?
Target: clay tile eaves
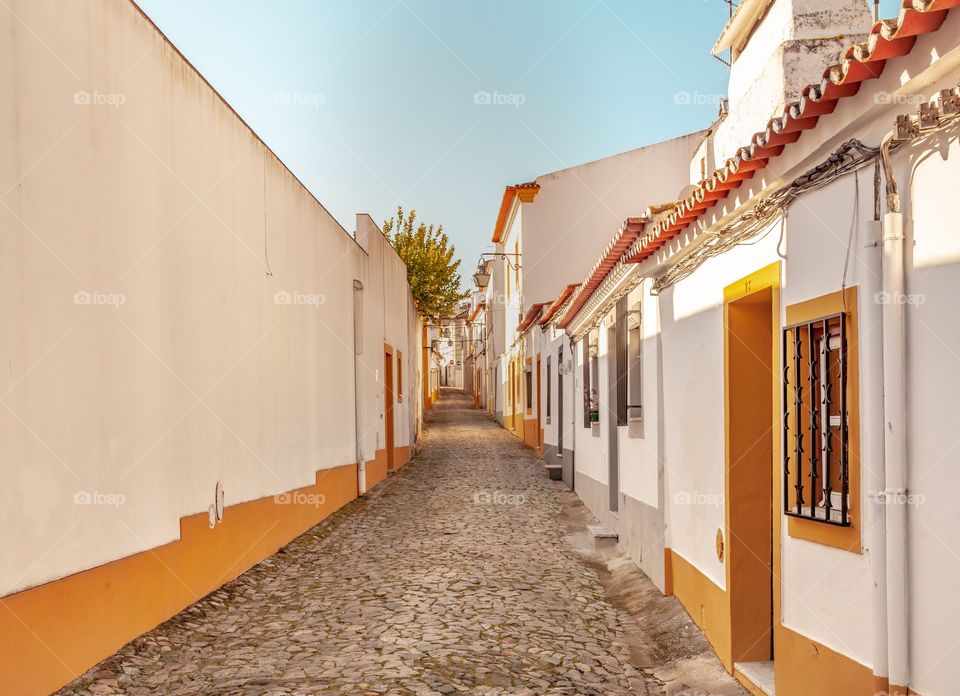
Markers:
(558, 304)
(525, 192)
(628, 234)
(858, 63)
(532, 314)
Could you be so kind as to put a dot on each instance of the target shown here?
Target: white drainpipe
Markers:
(878, 520)
(895, 442)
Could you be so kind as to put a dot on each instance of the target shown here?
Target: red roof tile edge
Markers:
(858, 62)
(530, 316)
(508, 195)
(558, 303)
(627, 235)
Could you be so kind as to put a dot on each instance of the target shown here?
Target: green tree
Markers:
(431, 269)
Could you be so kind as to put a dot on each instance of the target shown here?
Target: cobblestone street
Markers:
(455, 576)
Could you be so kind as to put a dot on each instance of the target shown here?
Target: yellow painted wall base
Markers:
(802, 665)
(531, 433)
(52, 633)
(705, 602)
(798, 659)
(401, 455)
(376, 471)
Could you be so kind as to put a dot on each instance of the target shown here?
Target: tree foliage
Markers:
(431, 268)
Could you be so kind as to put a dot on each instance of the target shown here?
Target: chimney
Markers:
(778, 47)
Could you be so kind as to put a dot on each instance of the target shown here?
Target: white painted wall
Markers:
(230, 358)
(639, 442)
(789, 49)
(579, 209)
(826, 592)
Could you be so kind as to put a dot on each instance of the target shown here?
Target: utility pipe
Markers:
(895, 443)
(877, 509)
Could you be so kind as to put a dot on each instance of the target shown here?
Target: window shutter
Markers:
(620, 336)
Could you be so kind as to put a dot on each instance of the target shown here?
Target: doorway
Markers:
(751, 318)
(388, 398)
(539, 420)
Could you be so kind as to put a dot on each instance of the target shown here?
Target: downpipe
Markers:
(893, 496)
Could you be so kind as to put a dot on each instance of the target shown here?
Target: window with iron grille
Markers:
(528, 384)
(816, 481)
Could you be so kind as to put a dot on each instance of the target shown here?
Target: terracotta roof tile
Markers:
(858, 63)
(527, 193)
(476, 311)
(558, 303)
(627, 235)
(530, 316)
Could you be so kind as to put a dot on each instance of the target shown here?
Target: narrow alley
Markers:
(455, 576)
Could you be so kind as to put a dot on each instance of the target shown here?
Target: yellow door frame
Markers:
(766, 280)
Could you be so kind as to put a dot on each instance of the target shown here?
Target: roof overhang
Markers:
(558, 304)
(531, 316)
(524, 193)
(628, 234)
(476, 311)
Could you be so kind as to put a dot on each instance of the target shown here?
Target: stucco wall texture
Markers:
(178, 308)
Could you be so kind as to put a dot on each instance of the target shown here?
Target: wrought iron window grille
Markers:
(816, 476)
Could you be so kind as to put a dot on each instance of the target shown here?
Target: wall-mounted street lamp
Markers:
(482, 278)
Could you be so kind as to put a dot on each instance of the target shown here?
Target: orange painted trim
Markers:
(525, 193)
(531, 433)
(798, 658)
(751, 320)
(705, 602)
(376, 470)
(51, 634)
(747, 683)
(845, 538)
(401, 456)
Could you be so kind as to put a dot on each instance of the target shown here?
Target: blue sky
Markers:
(371, 103)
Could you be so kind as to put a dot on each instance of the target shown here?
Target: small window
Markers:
(585, 355)
(399, 377)
(591, 380)
(528, 383)
(619, 354)
(816, 421)
(635, 360)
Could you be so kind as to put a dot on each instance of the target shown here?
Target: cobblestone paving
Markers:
(453, 577)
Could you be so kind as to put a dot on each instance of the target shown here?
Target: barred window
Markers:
(816, 420)
(528, 384)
